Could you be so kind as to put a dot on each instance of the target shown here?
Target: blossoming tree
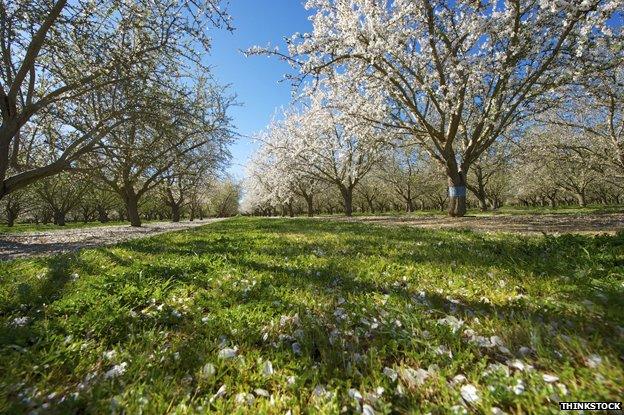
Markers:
(323, 143)
(453, 75)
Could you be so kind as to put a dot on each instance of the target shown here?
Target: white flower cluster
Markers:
(454, 75)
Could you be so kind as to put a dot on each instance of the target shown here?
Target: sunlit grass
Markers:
(350, 316)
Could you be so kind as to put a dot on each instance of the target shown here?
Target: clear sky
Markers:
(256, 79)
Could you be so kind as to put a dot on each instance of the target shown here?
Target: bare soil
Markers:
(29, 244)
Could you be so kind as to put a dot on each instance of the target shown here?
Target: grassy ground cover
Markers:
(513, 211)
(276, 315)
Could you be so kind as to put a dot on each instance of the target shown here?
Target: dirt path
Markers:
(526, 224)
(28, 244)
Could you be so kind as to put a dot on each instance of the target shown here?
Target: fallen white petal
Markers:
(227, 353)
(367, 409)
(390, 373)
(549, 378)
(267, 370)
(469, 393)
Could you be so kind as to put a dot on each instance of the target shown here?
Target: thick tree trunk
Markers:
(11, 216)
(410, 205)
(175, 213)
(457, 193)
(131, 201)
(347, 198)
(310, 202)
(580, 196)
(102, 215)
(59, 218)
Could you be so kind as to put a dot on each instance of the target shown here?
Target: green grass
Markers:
(357, 299)
(559, 210)
(512, 211)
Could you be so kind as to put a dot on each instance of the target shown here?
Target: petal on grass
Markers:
(469, 393)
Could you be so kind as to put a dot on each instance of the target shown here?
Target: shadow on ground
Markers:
(345, 259)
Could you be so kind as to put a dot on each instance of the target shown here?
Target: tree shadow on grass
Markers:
(182, 262)
(569, 260)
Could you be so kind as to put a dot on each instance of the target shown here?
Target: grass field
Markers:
(514, 211)
(271, 315)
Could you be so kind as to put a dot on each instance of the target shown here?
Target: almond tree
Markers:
(187, 174)
(372, 189)
(54, 52)
(401, 170)
(140, 155)
(486, 183)
(224, 201)
(594, 107)
(17, 203)
(258, 188)
(552, 156)
(454, 75)
(326, 144)
(60, 194)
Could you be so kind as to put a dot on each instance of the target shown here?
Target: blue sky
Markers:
(255, 80)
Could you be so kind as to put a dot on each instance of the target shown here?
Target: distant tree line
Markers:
(539, 172)
(73, 197)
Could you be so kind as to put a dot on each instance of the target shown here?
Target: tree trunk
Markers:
(46, 217)
(347, 198)
(483, 207)
(479, 189)
(102, 215)
(457, 193)
(175, 213)
(371, 207)
(410, 205)
(494, 202)
(552, 202)
(310, 202)
(580, 196)
(132, 208)
(11, 216)
(59, 218)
